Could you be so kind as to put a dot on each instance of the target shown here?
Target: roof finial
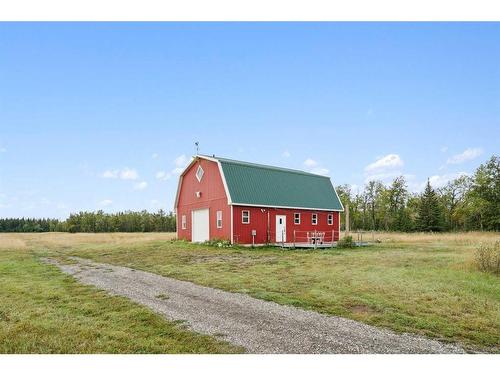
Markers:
(197, 144)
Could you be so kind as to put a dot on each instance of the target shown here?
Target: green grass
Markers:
(422, 284)
(45, 311)
(427, 288)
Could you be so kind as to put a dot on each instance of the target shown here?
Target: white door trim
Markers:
(280, 228)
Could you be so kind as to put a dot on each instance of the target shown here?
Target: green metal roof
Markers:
(263, 185)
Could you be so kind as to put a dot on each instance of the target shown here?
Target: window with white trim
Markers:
(199, 173)
(219, 219)
(296, 218)
(314, 219)
(330, 219)
(245, 217)
(183, 221)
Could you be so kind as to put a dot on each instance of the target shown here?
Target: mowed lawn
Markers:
(45, 311)
(423, 284)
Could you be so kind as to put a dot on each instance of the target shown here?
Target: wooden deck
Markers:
(308, 245)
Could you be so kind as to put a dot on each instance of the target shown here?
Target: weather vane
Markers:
(197, 147)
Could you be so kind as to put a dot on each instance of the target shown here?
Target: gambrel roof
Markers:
(249, 184)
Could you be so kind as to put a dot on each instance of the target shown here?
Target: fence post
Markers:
(347, 221)
(294, 239)
(315, 238)
(283, 239)
(333, 237)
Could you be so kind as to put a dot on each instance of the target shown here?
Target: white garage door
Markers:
(200, 227)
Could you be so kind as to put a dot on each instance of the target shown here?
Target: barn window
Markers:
(330, 219)
(219, 219)
(245, 217)
(296, 218)
(199, 173)
(183, 221)
(314, 220)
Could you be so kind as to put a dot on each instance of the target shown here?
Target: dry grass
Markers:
(463, 238)
(488, 258)
(12, 241)
(65, 240)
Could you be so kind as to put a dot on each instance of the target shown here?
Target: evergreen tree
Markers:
(429, 212)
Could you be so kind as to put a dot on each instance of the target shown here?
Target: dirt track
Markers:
(258, 326)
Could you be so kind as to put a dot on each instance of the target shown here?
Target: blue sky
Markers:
(104, 115)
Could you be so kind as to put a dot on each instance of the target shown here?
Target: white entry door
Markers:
(200, 227)
(280, 228)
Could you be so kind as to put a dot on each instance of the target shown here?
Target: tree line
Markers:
(95, 222)
(465, 203)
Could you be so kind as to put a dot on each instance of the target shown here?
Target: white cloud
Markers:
(105, 202)
(390, 161)
(468, 154)
(141, 185)
(384, 169)
(321, 171)
(181, 161)
(286, 154)
(110, 173)
(314, 167)
(438, 181)
(310, 163)
(129, 174)
(155, 156)
(162, 175)
(3, 149)
(123, 174)
(177, 170)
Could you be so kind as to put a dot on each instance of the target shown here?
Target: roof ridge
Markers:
(266, 166)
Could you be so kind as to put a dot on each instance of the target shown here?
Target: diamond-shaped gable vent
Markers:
(199, 173)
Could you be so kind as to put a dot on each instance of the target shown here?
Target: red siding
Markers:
(259, 221)
(213, 197)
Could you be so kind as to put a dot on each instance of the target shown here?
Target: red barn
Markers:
(251, 203)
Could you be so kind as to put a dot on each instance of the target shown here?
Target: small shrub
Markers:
(346, 243)
(488, 258)
(218, 242)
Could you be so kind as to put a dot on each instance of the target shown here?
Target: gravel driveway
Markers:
(258, 326)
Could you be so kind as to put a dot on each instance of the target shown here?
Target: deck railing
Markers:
(313, 238)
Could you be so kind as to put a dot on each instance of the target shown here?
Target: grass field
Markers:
(418, 283)
(44, 311)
